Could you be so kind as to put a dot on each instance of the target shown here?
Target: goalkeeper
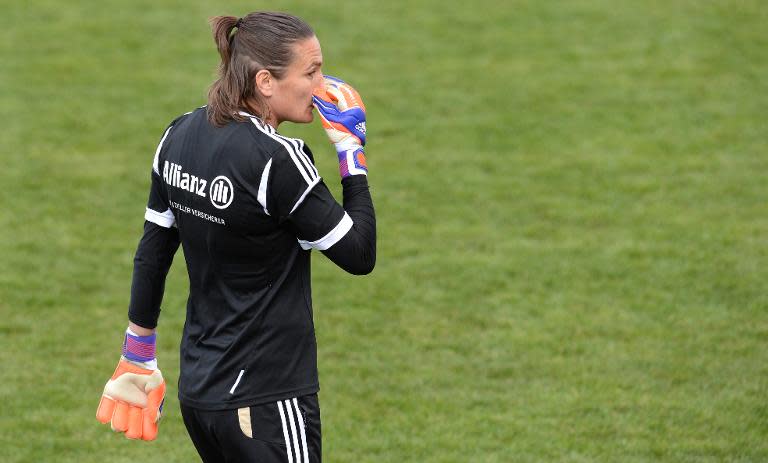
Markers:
(248, 205)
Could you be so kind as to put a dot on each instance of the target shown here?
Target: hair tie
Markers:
(238, 23)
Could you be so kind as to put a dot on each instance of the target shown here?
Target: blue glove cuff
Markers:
(139, 348)
(352, 162)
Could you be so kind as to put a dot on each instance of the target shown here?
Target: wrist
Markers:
(151, 365)
(348, 143)
(139, 329)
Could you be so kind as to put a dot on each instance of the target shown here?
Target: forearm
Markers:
(153, 259)
(356, 251)
(343, 117)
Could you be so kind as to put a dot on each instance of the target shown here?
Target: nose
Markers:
(318, 85)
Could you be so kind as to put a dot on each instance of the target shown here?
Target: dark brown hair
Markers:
(262, 40)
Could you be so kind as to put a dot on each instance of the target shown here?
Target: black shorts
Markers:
(283, 431)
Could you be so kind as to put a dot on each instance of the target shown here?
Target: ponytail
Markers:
(247, 45)
(222, 30)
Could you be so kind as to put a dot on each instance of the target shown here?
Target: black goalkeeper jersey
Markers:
(247, 206)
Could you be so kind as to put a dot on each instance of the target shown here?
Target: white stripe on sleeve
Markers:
(285, 433)
(299, 144)
(261, 196)
(164, 219)
(333, 236)
(155, 166)
(291, 146)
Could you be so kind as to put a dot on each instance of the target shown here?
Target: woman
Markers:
(247, 204)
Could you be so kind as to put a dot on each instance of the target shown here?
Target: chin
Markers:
(305, 119)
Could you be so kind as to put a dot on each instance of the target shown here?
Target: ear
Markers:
(265, 82)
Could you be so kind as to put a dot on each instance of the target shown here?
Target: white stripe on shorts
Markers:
(301, 428)
(293, 431)
(285, 433)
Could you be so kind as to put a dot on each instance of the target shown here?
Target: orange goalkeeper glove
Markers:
(132, 400)
(343, 116)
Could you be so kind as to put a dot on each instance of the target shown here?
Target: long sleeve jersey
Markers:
(247, 205)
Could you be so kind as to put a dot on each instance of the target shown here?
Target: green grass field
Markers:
(573, 225)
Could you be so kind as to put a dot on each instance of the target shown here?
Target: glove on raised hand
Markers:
(133, 398)
(343, 116)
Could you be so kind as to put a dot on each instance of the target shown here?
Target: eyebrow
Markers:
(315, 64)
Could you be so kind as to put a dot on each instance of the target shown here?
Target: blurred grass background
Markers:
(571, 200)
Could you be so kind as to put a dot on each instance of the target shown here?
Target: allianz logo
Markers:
(219, 191)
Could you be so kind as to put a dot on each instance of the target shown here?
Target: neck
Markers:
(271, 120)
(252, 108)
